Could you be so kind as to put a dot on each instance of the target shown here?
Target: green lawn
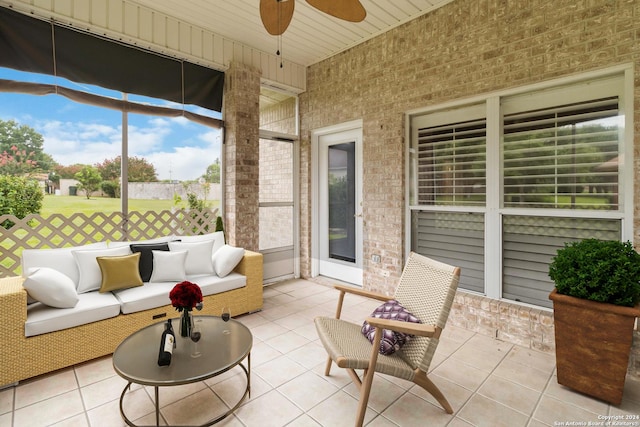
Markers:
(67, 205)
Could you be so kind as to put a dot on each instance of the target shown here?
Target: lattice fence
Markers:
(58, 231)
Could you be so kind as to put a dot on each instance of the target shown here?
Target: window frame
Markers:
(494, 209)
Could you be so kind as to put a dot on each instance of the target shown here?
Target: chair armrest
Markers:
(419, 329)
(362, 292)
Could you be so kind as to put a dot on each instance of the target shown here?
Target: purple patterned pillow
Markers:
(391, 341)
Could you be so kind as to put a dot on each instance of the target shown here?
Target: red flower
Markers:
(185, 295)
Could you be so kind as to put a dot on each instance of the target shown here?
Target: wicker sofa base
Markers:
(24, 357)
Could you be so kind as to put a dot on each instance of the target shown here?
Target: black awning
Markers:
(30, 44)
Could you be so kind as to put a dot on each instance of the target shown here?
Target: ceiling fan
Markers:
(276, 14)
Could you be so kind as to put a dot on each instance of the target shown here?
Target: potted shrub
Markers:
(595, 303)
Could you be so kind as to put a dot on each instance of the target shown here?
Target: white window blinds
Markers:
(563, 157)
(450, 158)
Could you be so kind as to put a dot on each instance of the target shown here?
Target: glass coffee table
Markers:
(223, 346)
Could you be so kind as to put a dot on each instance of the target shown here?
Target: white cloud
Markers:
(178, 150)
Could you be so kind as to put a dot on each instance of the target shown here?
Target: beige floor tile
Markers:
(460, 373)
(6, 420)
(478, 358)
(6, 400)
(262, 353)
(510, 394)
(94, 371)
(303, 421)
(455, 333)
(535, 359)
(169, 395)
(339, 410)
(552, 411)
(269, 410)
(195, 409)
(101, 392)
(292, 321)
(287, 342)
(268, 330)
(232, 390)
(307, 390)
(337, 376)
(252, 320)
(457, 422)
(523, 375)
(488, 344)
(279, 371)
(45, 387)
(410, 410)
(137, 403)
(309, 355)
(381, 421)
(79, 420)
(455, 394)
(536, 423)
(383, 393)
(568, 395)
(483, 412)
(50, 411)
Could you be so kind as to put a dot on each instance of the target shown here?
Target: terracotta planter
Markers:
(593, 341)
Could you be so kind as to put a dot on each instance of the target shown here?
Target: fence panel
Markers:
(58, 231)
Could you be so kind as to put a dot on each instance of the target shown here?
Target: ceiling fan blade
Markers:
(349, 10)
(276, 15)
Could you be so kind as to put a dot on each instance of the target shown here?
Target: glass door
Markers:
(340, 206)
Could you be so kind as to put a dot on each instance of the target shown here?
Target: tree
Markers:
(140, 170)
(16, 162)
(89, 179)
(212, 175)
(19, 196)
(25, 141)
(68, 172)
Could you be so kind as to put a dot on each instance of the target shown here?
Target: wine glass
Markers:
(226, 315)
(196, 334)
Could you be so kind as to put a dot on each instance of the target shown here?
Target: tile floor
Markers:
(488, 382)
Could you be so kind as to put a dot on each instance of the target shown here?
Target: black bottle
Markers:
(167, 343)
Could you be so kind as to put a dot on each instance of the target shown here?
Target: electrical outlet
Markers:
(375, 258)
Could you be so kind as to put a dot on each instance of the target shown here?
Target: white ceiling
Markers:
(312, 35)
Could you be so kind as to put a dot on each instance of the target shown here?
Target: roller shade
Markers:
(30, 44)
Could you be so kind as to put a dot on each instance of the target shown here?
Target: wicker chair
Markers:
(426, 289)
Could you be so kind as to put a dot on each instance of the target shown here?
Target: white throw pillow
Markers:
(217, 237)
(199, 256)
(51, 287)
(226, 258)
(168, 266)
(60, 259)
(90, 275)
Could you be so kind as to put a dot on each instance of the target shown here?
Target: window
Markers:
(498, 186)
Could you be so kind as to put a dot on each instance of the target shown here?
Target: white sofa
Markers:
(86, 299)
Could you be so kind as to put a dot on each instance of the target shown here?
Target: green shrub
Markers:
(598, 270)
(19, 196)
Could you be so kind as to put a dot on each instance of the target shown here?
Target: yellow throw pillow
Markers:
(119, 272)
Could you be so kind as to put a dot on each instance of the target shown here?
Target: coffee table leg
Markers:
(157, 407)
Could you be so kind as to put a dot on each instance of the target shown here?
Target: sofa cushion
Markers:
(217, 238)
(146, 256)
(90, 276)
(199, 258)
(51, 287)
(119, 272)
(168, 266)
(226, 259)
(91, 307)
(156, 294)
(61, 259)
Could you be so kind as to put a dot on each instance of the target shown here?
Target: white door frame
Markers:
(355, 275)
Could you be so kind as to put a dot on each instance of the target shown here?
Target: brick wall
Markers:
(465, 48)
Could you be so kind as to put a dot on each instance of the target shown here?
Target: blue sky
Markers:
(78, 133)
